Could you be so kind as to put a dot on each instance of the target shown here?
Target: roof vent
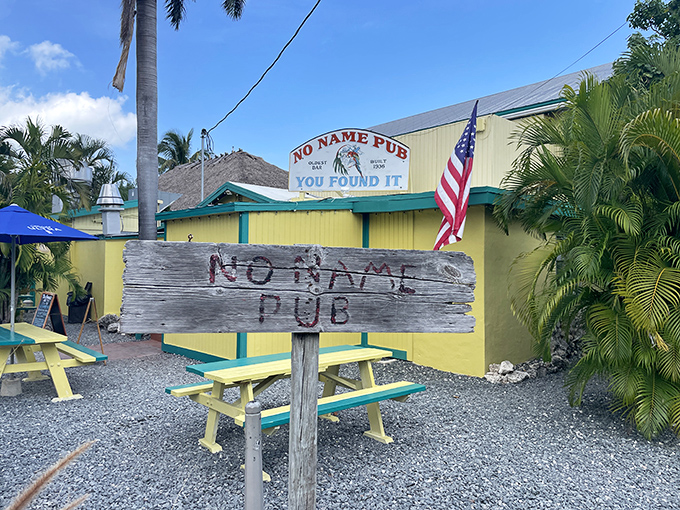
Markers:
(109, 196)
(110, 204)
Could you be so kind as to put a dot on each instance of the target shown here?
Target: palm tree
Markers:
(33, 165)
(175, 149)
(599, 183)
(147, 93)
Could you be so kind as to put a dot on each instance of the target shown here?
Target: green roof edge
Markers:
(481, 195)
(230, 186)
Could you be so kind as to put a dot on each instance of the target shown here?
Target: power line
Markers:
(269, 68)
(563, 70)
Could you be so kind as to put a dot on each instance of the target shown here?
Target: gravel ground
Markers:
(463, 443)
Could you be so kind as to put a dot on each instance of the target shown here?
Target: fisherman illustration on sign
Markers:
(346, 158)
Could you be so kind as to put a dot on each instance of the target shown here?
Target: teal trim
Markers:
(95, 354)
(364, 339)
(243, 236)
(365, 231)
(480, 195)
(95, 209)
(238, 190)
(348, 401)
(396, 353)
(243, 228)
(244, 362)
(241, 345)
(189, 353)
(530, 107)
(9, 338)
(169, 389)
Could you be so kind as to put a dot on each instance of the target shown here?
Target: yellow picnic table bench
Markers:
(254, 375)
(27, 340)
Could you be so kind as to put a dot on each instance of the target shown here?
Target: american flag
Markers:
(454, 188)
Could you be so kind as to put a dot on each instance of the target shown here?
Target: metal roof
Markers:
(515, 103)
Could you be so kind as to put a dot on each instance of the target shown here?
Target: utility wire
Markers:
(269, 68)
(563, 70)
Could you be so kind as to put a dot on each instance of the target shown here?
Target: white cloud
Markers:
(49, 56)
(6, 45)
(101, 117)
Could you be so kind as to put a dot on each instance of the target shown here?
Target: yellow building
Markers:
(242, 214)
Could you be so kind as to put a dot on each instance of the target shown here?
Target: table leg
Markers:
(213, 421)
(329, 387)
(5, 351)
(377, 431)
(25, 355)
(58, 374)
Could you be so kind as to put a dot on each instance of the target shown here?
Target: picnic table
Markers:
(58, 352)
(254, 375)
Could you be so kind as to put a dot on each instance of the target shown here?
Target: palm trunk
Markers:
(147, 118)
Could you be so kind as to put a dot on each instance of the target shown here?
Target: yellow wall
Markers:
(417, 230)
(99, 262)
(506, 338)
(221, 228)
(216, 229)
(431, 149)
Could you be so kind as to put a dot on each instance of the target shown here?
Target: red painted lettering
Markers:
(215, 261)
(348, 136)
(378, 141)
(315, 276)
(316, 313)
(307, 150)
(334, 139)
(277, 306)
(323, 142)
(377, 270)
(344, 273)
(403, 288)
(363, 138)
(391, 147)
(249, 272)
(297, 156)
(343, 310)
(401, 153)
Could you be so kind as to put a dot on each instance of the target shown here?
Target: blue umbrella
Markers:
(19, 226)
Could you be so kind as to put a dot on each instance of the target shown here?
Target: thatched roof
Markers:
(238, 166)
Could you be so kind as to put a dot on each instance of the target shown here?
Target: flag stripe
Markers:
(453, 192)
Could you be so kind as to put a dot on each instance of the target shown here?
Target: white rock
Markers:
(506, 367)
(493, 377)
(516, 377)
(493, 367)
(113, 327)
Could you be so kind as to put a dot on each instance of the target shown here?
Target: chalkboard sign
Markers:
(48, 307)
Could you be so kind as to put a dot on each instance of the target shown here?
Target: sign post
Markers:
(172, 287)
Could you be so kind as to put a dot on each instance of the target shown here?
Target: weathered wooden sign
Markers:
(173, 287)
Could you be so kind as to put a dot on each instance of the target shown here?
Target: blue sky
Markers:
(356, 63)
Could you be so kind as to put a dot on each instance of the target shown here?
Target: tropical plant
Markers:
(34, 164)
(95, 154)
(175, 149)
(147, 92)
(599, 184)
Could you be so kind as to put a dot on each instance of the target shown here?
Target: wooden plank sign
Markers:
(173, 287)
(48, 307)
